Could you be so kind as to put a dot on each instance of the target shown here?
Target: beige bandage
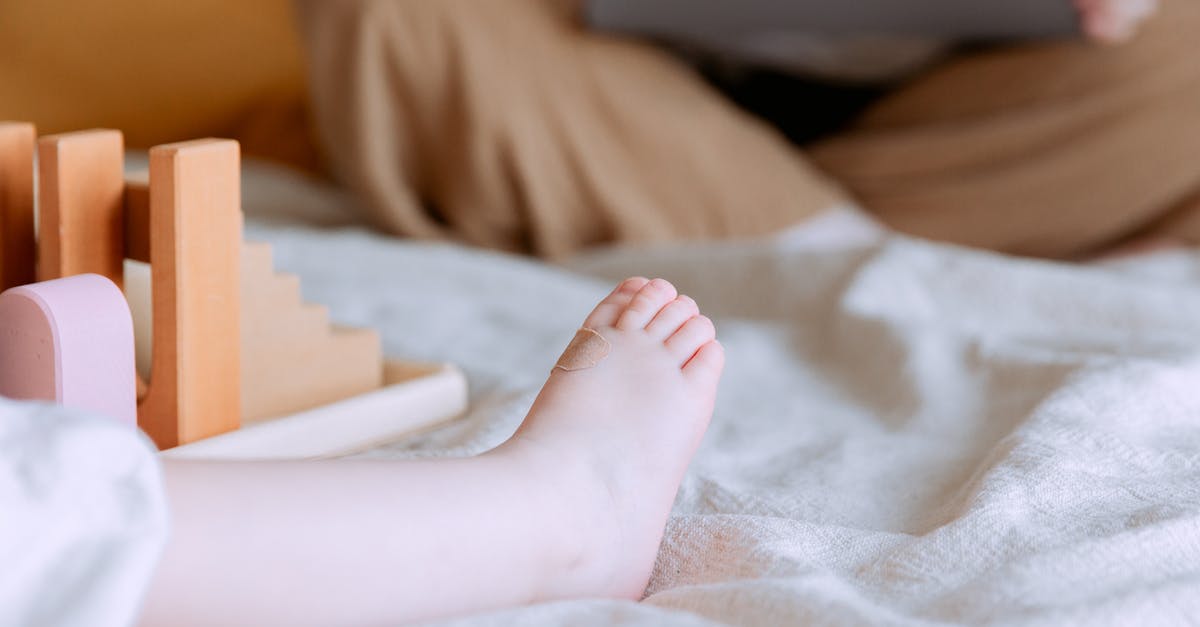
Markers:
(587, 349)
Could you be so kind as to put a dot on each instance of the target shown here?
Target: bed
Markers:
(907, 433)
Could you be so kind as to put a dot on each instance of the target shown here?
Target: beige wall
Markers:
(159, 70)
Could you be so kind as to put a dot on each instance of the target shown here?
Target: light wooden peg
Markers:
(195, 244)
(137, 217)
(81, 224)
(17, 245)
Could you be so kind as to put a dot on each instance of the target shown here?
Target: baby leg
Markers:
(572, 506)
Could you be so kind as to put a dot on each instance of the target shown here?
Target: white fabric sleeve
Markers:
(83, 518)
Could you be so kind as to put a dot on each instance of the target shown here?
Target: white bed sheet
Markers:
(907, 433)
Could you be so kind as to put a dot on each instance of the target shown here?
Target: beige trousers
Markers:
(1053, 150)
(505, 124)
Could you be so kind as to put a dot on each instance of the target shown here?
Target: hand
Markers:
(1114, 21)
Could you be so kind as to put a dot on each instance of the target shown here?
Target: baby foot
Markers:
(619, 427)
(1113, 21)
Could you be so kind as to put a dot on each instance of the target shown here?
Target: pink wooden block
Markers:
(69, 341)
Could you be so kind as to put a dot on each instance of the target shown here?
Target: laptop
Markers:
(698, 21)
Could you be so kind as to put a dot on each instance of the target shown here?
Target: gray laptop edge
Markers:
(697, 21)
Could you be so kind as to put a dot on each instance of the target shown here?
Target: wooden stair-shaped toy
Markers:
(280, 333)
(328, 364)
(228, 341)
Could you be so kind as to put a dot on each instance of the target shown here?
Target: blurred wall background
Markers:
(158, 70)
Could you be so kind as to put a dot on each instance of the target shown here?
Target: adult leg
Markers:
(1180, 225)
(1049, 149)
(507, 125)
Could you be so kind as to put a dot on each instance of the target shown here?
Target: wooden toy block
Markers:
(195, 242)
(69, 341)
(81, 224)
(137, 217)
(17, 244)
(227, 340)
(281, 334)
(264, 289)
(137, 294)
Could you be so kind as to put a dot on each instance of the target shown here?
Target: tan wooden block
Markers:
(137, 218)
(351, 364)
(195, 262)
(18, 251)
(263, 288)
(291, 366)
(81, 185)
(293, 359)
(359, 353)
(293, 329)
(320, 370)
(137, 294)
(256, 260)
(283, 290)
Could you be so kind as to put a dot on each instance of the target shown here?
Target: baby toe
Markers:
(670, 318)
(706, 365)
(609, 310)
(694, 334)
(646, 304)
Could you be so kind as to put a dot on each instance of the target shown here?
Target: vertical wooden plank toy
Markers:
(81, 225)
(194, 220)
(69, 341)
(17, 249)
(195, 241)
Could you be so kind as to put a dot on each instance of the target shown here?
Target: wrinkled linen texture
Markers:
(907, 433)
(82, 518)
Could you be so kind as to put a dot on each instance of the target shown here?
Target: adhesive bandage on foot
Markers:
(586, 350)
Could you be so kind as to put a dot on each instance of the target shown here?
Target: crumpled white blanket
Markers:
(907, 433)
(82, 518)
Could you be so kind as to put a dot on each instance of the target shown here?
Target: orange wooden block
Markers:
(17, 245)
(195, 254)
(81, 224)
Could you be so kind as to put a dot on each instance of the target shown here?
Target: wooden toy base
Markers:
(415, 397)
